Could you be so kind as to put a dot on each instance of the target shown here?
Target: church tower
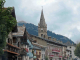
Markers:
(42, 26)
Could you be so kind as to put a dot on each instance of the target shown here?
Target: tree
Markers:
(46, 58)
(7, 22)
(77, 50)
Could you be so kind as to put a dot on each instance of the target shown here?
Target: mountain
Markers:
(33, 29)
(21, 22)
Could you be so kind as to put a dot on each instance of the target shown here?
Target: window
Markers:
(39, 53)
(70, 55)
(14, 40)
(44, 36)
(41, 29)
(18, 44)
(70, 46)
(41, 35)
(36, 53)
(48, 37)
(8, 40)
(70, 52)
(42, 55)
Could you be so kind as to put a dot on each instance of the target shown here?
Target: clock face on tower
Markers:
(41, 28)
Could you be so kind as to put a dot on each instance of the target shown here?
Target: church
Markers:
(52, 49)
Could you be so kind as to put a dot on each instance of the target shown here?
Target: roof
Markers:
(42, 20)
(50, 41)
(69, 44)
(36, 47)
(20, 32)
(39, 45)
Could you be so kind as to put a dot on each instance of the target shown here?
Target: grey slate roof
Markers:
(42, 20)
(36, 47)
(51, 41)
(69, 44)
(20, 32)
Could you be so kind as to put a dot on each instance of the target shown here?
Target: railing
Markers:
(51, 55)
(55, 50)
(15, 44)
(12, 49)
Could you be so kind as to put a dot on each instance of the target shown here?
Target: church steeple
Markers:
(42, 26)
(42, 20)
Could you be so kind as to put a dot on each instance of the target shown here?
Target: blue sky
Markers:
(61, 16)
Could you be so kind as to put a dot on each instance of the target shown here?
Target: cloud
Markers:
(61, 16)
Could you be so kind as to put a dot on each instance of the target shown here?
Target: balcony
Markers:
(8, 44)
(11, 49)
(60, 56)
(55, 50)
(51, 55)
(15, 44)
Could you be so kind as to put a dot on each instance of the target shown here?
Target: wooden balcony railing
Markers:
(12, 49)
(13, 45)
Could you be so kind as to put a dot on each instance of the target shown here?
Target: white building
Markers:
(70, 50)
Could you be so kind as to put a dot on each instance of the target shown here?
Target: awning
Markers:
(30, 45)
(30, 54)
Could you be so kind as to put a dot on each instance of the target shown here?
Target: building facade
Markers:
(70, 50)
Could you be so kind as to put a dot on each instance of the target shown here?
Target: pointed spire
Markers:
(42, 20)
(42, 15)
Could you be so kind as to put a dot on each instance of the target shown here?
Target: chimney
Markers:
(49, 37)
(61, 42)
(54, 39)
(58, 41)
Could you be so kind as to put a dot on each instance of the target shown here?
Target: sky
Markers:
(61, 16)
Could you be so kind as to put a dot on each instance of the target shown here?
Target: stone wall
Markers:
(40, 41)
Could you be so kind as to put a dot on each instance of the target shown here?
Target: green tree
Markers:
(77, 50)
(46, 58)
(7, 22)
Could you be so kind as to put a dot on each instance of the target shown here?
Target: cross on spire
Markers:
(42, 7)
